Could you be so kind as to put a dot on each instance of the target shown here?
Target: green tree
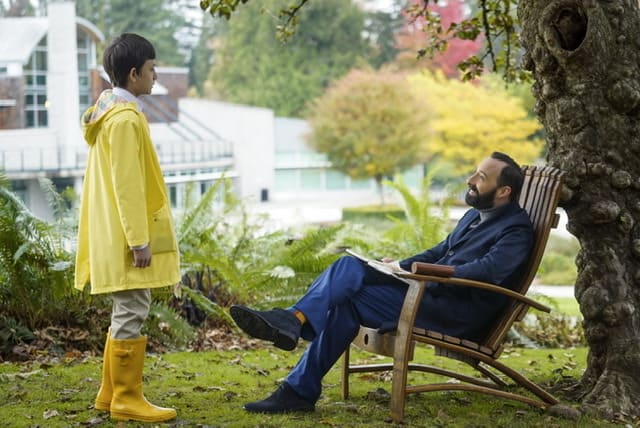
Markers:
(253, 67)
(371, 125)
(157, 20)
(16, 8)
(381, 27)
(203, 53)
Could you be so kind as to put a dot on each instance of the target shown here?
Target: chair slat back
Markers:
(539, 197)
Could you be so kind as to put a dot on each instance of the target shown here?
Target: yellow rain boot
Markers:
(128, 402)
(103, 399)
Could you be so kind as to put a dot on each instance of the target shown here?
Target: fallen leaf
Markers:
(48, 414)
(379, 395)
(93, 422)
(229, 395)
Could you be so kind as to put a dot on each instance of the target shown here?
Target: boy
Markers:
(126, 241)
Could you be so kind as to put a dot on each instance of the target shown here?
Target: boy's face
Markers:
(141, 80)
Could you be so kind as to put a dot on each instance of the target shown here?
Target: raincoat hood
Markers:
(106, 107)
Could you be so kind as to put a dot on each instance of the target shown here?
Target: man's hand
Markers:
(142, 257)
(386, 260)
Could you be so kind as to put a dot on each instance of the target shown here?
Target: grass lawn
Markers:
(568, 306)
(209, 388)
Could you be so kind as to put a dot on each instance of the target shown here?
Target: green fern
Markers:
(35, 267)
(422, 228)
(209, 307)
(223, 239)
(13, 333)
(196, 216)
(165, 324)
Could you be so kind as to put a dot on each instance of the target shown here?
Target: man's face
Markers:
(483, 184)
(142, 80)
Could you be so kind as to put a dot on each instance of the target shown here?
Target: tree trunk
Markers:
(585, 59)
(380, 188)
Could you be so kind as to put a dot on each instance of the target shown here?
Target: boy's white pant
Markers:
(130, 310)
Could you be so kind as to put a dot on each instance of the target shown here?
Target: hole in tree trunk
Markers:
(571, 27)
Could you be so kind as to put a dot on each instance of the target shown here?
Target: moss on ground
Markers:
(209, 388)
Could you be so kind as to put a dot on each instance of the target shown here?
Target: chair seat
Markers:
(370, 340)
(468, 344)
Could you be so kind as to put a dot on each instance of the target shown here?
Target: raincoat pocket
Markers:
(162, 237)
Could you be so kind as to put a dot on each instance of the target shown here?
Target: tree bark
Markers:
(585, 59)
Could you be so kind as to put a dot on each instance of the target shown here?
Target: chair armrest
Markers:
(477, 284)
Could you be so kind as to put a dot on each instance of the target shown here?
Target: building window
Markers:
(361, 184)
(204, 186)
(85, 64)
(311, 179)
(286, 180)
(413, 176)
(35, 74)
(336, 180)
(173, 195)
(19, 188)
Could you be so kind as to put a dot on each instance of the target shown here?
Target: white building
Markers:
(49, 75)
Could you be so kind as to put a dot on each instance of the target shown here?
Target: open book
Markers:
(387, 268)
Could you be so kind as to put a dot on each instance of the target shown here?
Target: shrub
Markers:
(558, 263)
(552, 330)
(422, 224)
(372, 212)
(36, 269)
(229, 256)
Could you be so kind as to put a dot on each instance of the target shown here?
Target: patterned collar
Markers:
(123, 93)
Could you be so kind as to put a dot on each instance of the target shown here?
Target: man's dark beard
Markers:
(480, 201)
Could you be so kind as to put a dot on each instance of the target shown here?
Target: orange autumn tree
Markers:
(370, 124)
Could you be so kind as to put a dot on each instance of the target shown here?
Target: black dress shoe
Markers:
(277, 325)
(283, 400)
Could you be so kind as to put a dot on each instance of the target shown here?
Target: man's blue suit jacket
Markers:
(494, 251)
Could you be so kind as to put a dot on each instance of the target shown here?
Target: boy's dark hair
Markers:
(125, 52)
(511, 175)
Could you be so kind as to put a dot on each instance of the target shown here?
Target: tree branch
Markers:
(487, 31)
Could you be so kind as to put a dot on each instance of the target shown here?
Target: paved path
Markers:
(553, 290)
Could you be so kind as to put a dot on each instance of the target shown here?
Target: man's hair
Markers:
(511, 175)
(125, 52)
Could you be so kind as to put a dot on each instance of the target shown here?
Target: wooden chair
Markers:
(539, 197)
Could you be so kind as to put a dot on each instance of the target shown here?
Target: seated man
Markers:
(491, 243)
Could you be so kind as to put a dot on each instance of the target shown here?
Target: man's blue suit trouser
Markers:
(348, 293)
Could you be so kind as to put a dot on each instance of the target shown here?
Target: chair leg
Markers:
(345, 374)
(524, 382)
(399, 388)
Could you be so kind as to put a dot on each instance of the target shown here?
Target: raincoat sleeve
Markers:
(128, 180)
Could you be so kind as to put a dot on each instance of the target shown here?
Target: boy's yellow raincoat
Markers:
(124, 203)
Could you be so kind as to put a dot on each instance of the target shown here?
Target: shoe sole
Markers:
(272, 411)
(256, 326)
(102, 406)
(142, 418)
